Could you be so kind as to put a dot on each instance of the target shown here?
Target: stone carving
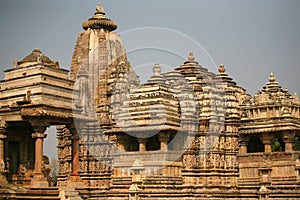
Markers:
(213, 121)
(100, 8)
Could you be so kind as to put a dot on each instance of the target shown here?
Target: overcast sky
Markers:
(251, 37)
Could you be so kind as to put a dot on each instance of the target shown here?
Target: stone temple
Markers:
(185, 134)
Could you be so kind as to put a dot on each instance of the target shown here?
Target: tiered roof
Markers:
(272, 109)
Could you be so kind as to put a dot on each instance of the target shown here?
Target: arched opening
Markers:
(255, 145)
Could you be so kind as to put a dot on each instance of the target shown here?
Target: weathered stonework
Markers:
(185, 134)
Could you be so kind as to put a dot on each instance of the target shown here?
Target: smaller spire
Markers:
(296, 97)
(191, 57)
(272, 85)
(157, 77)
(286, 89)
(156, 69)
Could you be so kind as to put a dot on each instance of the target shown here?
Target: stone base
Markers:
(3, 181)
(75, 184)
(39, 184)
(69, 194)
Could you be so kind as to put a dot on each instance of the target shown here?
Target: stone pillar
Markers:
(74, 180)
(142, 144)
(39, 180)
(287, 138)
(75, 157)
(267, 140)
(243, 142)
(2, 160)
(164, 139)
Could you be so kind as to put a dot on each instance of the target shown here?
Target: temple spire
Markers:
(272, 85)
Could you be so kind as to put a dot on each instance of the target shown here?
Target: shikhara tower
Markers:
(98, 61)
(185, 134)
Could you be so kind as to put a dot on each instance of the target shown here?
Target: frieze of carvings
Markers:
(222, 161)
(221, 142)
(202, 161)
(235, 145)
(44, 111)
(61, 167)
(83, 150)
(209, 160)
(234, 161)
(228, 142)
(216, 160)
(266, 138)
(83, 166)
(188, 161)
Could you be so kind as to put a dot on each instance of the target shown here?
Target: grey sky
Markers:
(251, 37)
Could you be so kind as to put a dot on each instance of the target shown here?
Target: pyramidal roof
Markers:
(34, 56)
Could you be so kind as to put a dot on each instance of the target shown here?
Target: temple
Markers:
(185, 134)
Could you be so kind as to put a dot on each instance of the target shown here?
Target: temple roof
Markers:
(36, 56)
(99, 21)
(272, 93)
(271, 109)
(157, 77)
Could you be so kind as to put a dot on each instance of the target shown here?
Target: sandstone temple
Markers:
(185, 134)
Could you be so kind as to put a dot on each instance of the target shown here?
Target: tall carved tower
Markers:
(98, 61)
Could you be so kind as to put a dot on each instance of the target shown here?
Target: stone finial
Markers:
(286, 89)
(56, 64)
(99, 8)
(39, 58)
(272, 77)
(36, 51)
(27, 96)
(99, 21)
(222, 68)
(191, 60)
(191, 57)
(156, 70)
(15, 63)
(296, 97)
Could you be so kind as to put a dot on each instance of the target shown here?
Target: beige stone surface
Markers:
(185, 134)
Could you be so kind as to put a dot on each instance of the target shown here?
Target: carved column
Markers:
(39, 179)
(287, 137)
(164, 139)
(267, 140)
(243, 142)
(2, 160)
(142, 144)
(75, 153)
(75, 156)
